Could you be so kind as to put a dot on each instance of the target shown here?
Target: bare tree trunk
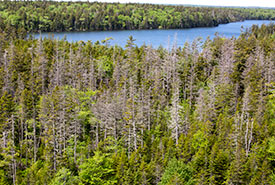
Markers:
(7, 73)
(149, 109)
(13, 153)
(34, 141)
(21, 136)
(54, 144)
(191, 85)
(92, 76)
(248, 136)
(133, 120)
(129, 141)
(177, 126)
(251, 137)
(143, 119)
(75, 140)
(43, 66)
(26, 142)
(33, 105)
(97, 134)
(105, 131)
(175, 114)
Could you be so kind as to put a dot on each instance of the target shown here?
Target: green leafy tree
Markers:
(64, 176)
(177, 172)
(98, 170)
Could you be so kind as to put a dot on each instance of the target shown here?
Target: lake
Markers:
(158, 37)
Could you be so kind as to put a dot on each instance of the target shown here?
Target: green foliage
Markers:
(7, 106)
(91, 113)
(271, 149)
(82, 16)
(97, 170)
(64, 176)
(177, 172)
(38, 173)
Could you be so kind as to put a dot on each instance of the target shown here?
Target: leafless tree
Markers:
(226, 62)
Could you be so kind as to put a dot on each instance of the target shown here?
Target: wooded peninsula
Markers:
(51, 16)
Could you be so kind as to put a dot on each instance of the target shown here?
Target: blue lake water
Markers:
(158, 37)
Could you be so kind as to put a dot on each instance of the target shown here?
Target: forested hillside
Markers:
(50, 16)
(90, 113)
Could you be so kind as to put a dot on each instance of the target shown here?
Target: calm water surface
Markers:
(158, 37)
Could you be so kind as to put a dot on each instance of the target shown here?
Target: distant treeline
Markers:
(46, 16)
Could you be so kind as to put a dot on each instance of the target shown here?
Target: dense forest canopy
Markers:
(46, 16)
(90, 113)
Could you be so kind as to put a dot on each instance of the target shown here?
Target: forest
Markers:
(91, 113)
(52, 16)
